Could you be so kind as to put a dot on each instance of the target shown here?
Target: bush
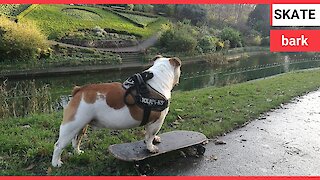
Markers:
(129, 7)
(226, 44)
(208, 43)
(196, 13)
(20, 41)
(148, 8)
(233, 36)
(178, 40)
(265, 41)
(165, 9)
(253, 40)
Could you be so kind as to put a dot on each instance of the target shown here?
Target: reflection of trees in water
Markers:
(286, 63)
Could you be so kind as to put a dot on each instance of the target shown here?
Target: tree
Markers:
(166, 9)
(178, 39)
(259, 19)
(233, 36)
(195, 13)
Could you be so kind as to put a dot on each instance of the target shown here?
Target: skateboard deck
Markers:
(170, 141)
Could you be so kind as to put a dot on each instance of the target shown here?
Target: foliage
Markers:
(97, 33)
(259, 19)
(221, 15)
(33, 99)
(64, 57)
(208, 43)
(148, 8)
(120, 32)
(20, 40)
(12, 9)
(253, 40)
(165, 9)
(265, 41)
(195, 13)
(232, 35)
(179, 39)
(129, 7)
(26, 144)
(55, 24)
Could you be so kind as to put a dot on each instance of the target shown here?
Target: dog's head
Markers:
(172, 64)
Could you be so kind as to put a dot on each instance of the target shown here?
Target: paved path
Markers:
(138, 48)
(284, 142)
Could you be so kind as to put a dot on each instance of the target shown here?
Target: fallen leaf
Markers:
(49, 170)
(219, 142)
(31, 166)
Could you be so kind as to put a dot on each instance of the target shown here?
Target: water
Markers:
(193, 76)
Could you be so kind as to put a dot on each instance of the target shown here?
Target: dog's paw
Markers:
(153, 149)
(157, 139)
(57, 163)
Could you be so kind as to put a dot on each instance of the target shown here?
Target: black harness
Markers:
(138, 83)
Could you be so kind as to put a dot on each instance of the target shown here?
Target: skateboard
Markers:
(170, 141)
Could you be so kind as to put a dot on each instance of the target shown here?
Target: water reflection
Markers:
(193, 75)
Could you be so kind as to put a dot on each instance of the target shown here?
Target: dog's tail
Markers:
(75, 90)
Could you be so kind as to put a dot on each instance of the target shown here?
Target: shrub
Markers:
(220, 45)
(178, 40)
(253, 40)
(196, 13)
(165, 9)
(148, 8)
(226, 44)
(20, 41)
(233, 36)
(208, 43)
(129, 7)
(265, 41)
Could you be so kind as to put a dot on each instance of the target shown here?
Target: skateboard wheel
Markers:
(200, 149)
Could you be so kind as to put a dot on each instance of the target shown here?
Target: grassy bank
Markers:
(56, 20)
(26, 144)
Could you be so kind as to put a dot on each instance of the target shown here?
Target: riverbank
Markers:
(27, 143)
(233, 55)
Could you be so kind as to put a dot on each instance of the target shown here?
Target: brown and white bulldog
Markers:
(103, 106)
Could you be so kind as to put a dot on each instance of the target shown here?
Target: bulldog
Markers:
(106, 106)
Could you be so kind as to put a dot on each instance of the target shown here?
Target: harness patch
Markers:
(144, 95)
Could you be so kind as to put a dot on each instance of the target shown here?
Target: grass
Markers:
(143, 20)
(26, 144)
(56, 20)
(12, 9)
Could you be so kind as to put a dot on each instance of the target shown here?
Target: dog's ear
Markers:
(156, 57)
(176, 62)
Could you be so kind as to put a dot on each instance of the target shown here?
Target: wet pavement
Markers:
(285, 141)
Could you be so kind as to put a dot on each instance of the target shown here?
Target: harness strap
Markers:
(146, 114)
(138, 82)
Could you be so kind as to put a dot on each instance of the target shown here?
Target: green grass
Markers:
(143, 20)
(212, 111)
(12, 9)
(81, 14)
(55, 23)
